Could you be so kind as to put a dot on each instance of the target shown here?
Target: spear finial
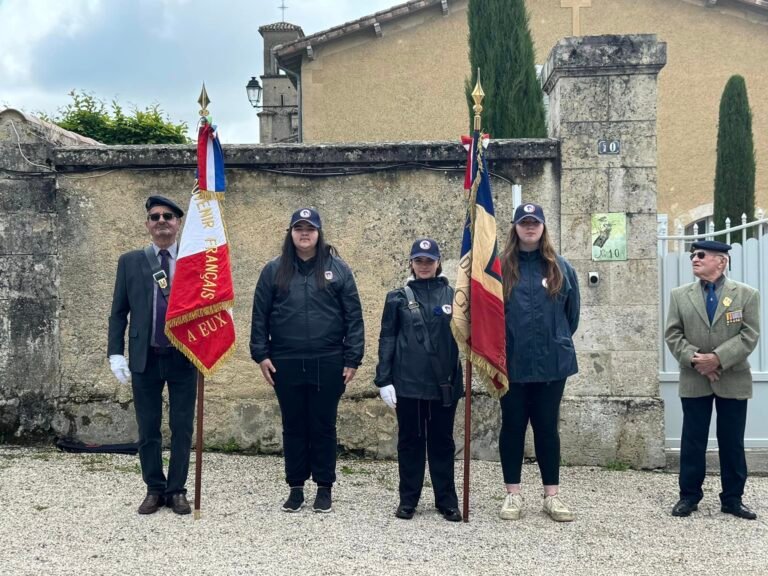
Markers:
(203, 101)
(477, 96)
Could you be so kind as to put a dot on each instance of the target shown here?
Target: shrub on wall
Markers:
(89, 116)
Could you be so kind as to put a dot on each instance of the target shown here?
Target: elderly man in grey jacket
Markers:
(712, 327)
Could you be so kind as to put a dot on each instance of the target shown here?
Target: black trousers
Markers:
(308, 392)
(731, 422)
(425, 430)
(539, 404)
(172, 368)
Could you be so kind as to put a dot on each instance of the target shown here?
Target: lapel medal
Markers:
(727, 301)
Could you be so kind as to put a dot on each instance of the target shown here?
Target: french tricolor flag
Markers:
(199, 319)
(210, 160)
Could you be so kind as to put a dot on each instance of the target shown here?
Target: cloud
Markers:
(144, 52)
(24, 24)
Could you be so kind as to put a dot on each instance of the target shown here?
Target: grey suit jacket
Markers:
(134, 288)
(732, 336)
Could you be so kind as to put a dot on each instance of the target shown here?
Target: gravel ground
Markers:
(76, 514)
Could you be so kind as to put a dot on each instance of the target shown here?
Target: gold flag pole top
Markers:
(477, 96)
(203, 101)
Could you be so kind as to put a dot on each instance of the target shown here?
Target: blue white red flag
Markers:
(210, 160)
(199, 319)
(478, 305)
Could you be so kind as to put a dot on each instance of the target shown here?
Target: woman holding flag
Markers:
(419, 376)
(307, 337)
(541, 307)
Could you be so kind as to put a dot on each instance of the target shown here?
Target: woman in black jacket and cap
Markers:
(307, 336)
(541, 309)
(419, 375)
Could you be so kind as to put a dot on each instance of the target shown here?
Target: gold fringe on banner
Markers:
(179, 345)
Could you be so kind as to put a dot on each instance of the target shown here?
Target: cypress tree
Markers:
(735, 170)
(500, 45)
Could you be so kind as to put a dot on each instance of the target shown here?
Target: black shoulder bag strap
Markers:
(158, 274)
(422, 335)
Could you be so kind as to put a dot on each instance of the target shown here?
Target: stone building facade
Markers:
(67, 211)
(395, 75)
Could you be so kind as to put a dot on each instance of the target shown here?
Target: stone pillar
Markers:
(29, 347)
(604, 88)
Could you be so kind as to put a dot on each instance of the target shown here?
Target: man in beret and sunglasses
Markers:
(712, 327)
(141, 291)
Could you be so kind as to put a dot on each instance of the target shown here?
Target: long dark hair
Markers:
(286, 267)
(510, 270)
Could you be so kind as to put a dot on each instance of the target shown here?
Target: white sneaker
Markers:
(512, 508)
(556, 509)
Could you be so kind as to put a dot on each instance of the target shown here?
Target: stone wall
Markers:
(64, 230)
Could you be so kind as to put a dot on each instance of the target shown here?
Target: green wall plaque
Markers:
(609, 236)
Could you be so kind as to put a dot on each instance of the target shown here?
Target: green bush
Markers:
(89, 116)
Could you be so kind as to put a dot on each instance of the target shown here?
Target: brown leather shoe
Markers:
(178, 503)
(151, 504)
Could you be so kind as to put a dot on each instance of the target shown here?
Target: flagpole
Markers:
(199, 443)
(477, 96)
(467, 432)
(203, 100)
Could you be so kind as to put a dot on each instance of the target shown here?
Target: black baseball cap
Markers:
(306, 215)
(163, 201)
(425, 247)
(529, 210)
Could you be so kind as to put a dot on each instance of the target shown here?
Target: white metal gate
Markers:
(749, 264)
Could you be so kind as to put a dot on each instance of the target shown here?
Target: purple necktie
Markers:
(161, 306)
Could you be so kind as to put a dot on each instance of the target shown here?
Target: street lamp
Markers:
(253, 89)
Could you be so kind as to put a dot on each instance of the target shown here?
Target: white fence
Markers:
(749, 264)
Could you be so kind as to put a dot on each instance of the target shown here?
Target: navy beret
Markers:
(711, 245)
(163, 201)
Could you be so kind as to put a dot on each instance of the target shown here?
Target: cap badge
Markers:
(305, 213)
(529, 208)
(425, 245)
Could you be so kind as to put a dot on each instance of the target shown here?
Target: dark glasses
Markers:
(167, 216)
(700, 255)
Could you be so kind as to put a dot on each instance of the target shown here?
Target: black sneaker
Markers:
(405, 512)
(295, 500)
(323, 500)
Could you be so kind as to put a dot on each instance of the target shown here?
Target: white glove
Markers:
(387, 394)
(120, 369)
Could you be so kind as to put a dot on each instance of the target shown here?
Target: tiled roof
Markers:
(290, 48)
(281, 27)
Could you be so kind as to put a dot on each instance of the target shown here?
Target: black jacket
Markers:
(403, 361)
(308, 321)
(540, 329)
(132, 296)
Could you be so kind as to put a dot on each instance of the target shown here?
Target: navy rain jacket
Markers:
(539, 328)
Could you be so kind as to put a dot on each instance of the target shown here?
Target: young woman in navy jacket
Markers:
(541, 307)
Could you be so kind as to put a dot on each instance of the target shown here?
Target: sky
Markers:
(146, 52)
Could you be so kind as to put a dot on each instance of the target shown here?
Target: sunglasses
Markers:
(167, 216)
(700, 255)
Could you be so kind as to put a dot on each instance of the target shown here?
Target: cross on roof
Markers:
(575, 5)
(283, 8)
